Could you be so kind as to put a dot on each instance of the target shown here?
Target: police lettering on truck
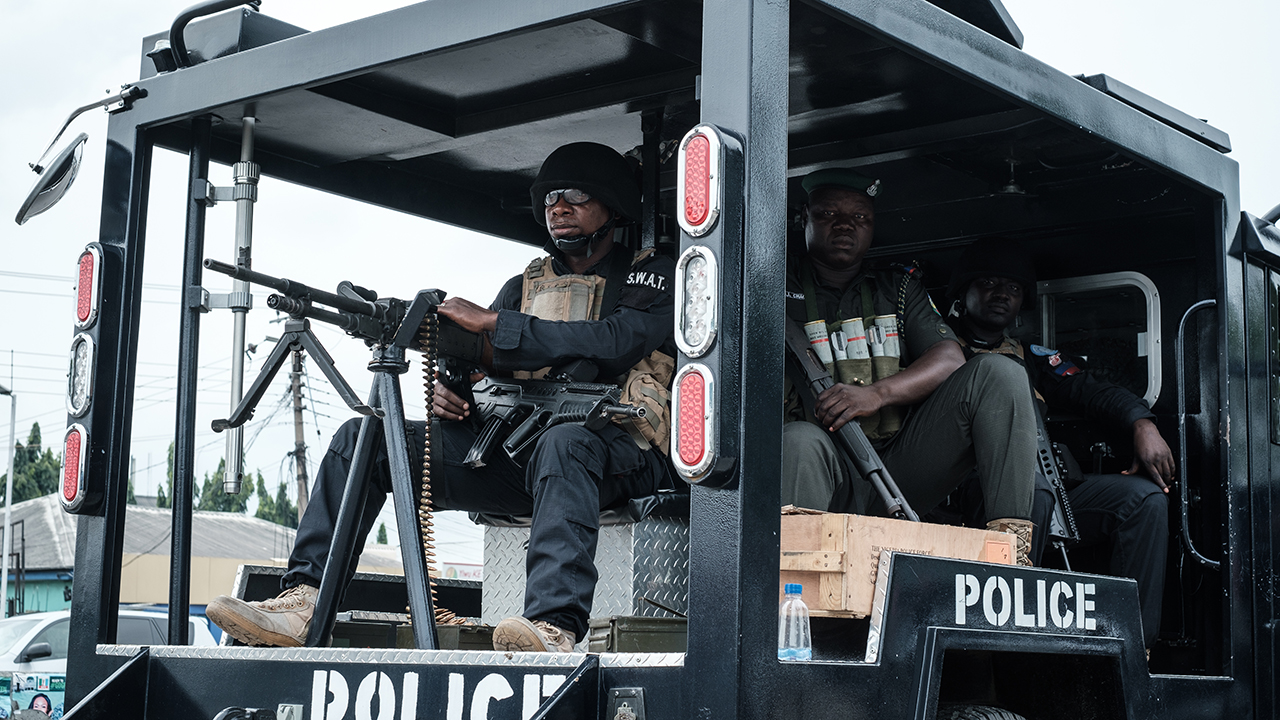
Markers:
(377, 695)
(1061, 604)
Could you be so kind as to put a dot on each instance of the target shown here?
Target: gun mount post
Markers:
(245, 194)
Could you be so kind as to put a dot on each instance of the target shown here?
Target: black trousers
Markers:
(1124, 531)
(572, 475)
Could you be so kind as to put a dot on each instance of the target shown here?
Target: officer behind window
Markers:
(591, 299)
(1126, 515)
(933, 417)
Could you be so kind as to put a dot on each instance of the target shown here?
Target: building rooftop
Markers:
(51, 536)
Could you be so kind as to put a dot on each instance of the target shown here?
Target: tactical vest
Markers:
(878, 358)
(547, 295)
(1008, 346)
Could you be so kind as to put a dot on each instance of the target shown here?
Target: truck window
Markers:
(137, 631)
(1111, 320)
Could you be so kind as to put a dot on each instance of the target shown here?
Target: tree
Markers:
(35, 471)
(279, 509)
(163, 499)
(382, 533)
(130, 497)
(213, 497)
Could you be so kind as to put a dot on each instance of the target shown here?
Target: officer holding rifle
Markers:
(901, 375)
(592, 299)
(1125, 516)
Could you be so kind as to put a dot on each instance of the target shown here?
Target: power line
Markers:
(311, 399)
(65, 355)
(37, 276)
(62, 371)
(72, 280)
(71, 296)
(281, 403)
(66, 296)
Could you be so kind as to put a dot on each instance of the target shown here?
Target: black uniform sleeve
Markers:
(1066, 385)
(509, 296)
(641, 324)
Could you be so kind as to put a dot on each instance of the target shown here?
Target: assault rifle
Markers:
(1062, 524)
(515, 413)
(850, 436)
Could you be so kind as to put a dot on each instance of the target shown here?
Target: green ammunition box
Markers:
(452, 637)
(622, 633)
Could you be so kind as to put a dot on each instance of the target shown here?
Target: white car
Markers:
(37, 643)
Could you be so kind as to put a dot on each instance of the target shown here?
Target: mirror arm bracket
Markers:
(122, 100)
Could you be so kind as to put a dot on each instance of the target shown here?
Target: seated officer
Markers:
(582, 193)
(1125, 514)
(899, 356)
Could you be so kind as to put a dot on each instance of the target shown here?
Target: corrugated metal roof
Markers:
(51, 535)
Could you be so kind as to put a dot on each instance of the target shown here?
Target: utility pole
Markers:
(8, 495)
(300, 446)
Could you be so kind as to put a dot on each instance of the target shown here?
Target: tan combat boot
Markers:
(517, 634)
(1020, 529)
(281, 621)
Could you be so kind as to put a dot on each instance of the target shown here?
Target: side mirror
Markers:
(35, 651)
(57, 176)
(54, 181)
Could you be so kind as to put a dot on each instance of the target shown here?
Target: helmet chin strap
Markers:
(575, 242)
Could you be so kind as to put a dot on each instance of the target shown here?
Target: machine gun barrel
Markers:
(293, 289)
(304, 308)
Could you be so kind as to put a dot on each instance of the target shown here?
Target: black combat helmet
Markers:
(595, 169)
(994, 257)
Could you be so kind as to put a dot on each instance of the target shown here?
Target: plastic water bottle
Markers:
(794, 642)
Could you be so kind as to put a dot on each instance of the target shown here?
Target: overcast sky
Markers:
(1212, 61)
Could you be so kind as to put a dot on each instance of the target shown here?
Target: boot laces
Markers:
(553, 634)
(295, 598)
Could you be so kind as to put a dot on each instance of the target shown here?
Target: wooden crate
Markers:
(836, 556)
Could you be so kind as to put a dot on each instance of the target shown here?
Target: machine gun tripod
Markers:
(389, 326)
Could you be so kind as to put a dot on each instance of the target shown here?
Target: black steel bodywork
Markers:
(445, 109)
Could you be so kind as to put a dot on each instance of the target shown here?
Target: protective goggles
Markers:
(573, 196)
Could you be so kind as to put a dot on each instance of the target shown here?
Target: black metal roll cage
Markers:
(972, 89)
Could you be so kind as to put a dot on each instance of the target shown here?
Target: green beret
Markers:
(840, 177)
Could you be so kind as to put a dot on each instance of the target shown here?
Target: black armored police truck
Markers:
(444, 110)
